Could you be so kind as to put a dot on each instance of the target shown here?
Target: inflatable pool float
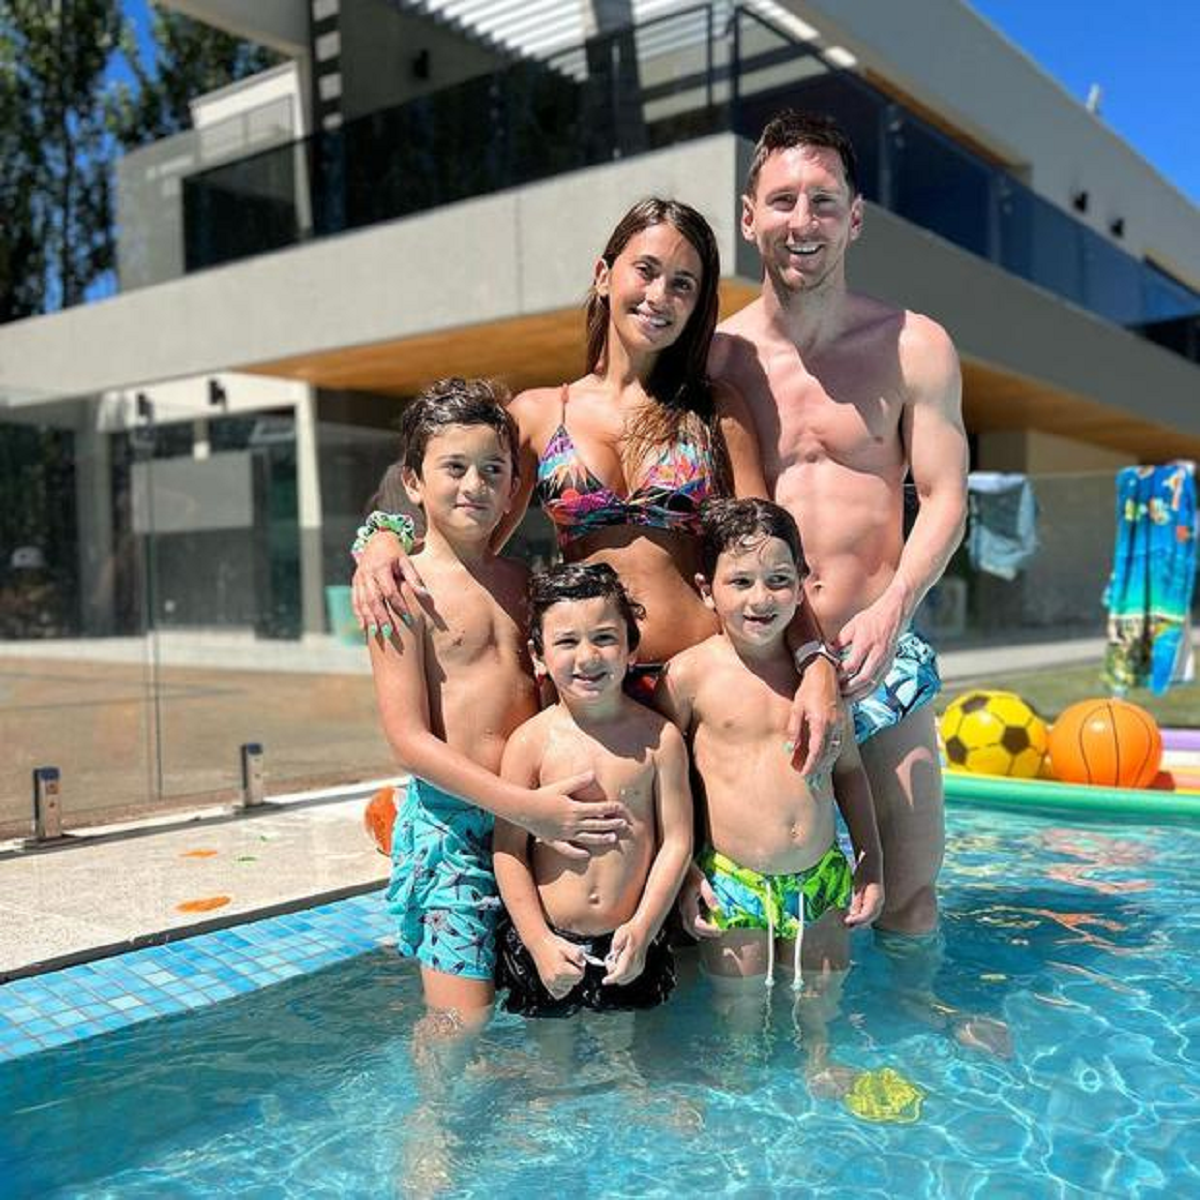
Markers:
(1049, 796)
(1185, 740)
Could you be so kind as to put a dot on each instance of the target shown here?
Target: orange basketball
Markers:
(379, 817)
(1108, 742)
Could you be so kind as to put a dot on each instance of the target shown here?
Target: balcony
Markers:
(657, 84)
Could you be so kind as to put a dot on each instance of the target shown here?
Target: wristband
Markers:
(803, 655)
(401, 524)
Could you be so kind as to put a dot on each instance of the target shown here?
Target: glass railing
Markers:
(162, 604)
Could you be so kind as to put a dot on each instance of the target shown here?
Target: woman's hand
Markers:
(813, 730)
(376, 584)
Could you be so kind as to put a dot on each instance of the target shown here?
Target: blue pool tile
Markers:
(56, 1037)
(151, 982)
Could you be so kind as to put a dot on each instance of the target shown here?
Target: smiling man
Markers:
(847, 395)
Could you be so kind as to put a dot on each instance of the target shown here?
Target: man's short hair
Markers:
(789, 129)
(740, 524)
(580, 581)
(455, 401)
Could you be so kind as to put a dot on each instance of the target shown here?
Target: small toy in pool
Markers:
(885, 1096)
(993, 733)
(1108, 742)
(379, 816)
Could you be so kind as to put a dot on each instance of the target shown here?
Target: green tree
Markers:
(56, 148)
(66, 114)
(189, 60)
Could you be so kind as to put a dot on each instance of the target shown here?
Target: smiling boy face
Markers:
(466, 480)
(585, 648)
(755, 590)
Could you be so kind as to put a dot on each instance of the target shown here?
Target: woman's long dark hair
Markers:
(683, 408)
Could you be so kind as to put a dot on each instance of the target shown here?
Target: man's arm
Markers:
(936, 446)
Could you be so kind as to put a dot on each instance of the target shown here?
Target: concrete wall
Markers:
(429, 273)
(1036, 453)
(981, 82)
(418, 275)
(1000, 319)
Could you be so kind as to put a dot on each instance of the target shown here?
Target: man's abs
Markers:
(851, 525)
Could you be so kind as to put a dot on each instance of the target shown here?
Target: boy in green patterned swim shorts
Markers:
(775, 881)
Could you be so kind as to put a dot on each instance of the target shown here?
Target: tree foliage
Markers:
(56, 147)
(189, 60)
(75, 89)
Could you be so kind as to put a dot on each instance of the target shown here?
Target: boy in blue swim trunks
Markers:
(589, 935)
(782, 886)
(452, 683)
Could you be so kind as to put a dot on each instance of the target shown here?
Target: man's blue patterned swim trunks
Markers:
(442, 890)
(911, 682)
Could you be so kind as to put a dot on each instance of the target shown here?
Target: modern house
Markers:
(421, 189)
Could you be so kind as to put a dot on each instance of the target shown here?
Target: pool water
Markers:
(1084, 939)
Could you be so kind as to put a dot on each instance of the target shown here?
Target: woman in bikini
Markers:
(622, 458)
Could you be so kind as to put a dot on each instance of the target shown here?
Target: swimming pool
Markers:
(1084, 937)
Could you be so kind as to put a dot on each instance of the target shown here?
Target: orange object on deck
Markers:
(379, 816)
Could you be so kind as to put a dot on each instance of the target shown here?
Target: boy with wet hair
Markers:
(452, 684)
(589, 934)
(775, 879)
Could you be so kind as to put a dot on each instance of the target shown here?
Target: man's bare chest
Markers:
(803, 416)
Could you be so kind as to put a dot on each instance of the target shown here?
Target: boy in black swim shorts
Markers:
(588, 933)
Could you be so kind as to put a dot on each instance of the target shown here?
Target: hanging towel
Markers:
(1003, 511)
(1149, 593)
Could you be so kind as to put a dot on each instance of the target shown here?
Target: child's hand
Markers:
(866, 904)
(555, 817)
(627, 958)
(695, 890)
(559, 963)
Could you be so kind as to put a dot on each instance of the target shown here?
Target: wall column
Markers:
(308, 511)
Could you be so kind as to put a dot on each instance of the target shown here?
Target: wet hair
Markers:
(742, 524)
(390, 495)
(581, 581)
(789, 129)
(679, 382)
(455, 401)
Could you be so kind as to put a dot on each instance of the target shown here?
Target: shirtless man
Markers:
(845, 395)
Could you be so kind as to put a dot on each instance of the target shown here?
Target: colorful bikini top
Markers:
(678, 481)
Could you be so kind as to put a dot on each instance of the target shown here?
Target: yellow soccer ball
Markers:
(993, 733)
